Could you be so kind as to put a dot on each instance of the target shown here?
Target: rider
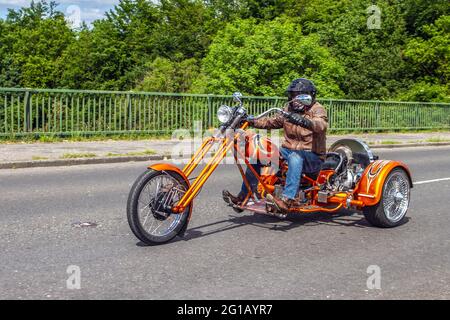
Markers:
(304, 145)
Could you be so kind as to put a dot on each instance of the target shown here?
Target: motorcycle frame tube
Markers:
(199, 156)
(212, 165)
(244, 178)
(204, 175)
(326, 210)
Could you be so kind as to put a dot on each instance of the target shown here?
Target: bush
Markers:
(163, 75)
(263, 58)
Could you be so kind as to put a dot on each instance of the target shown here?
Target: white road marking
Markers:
(431, 181)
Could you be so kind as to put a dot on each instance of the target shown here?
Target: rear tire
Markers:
(391, 211)
(173, 224)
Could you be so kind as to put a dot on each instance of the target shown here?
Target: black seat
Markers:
(313, 175)
(330, 164)
(332, 161)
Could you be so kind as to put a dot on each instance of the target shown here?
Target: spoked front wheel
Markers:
(149, 207)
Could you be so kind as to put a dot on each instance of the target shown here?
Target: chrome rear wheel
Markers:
(391, 210)
(396, 196)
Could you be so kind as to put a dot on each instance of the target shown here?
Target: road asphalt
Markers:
(25, 155)
(224, 255)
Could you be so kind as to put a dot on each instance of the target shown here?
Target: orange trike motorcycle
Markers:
(160, 203)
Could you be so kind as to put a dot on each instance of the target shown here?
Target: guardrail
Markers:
(77, 112)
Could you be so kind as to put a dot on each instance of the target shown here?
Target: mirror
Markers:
(237, 97)
(305, 99)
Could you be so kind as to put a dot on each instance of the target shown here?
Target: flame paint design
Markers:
(374, 171)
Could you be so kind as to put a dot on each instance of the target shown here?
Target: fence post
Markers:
(27, 112)
(417, 120)
(209, 111)
(330, 115)
(377, 108)
(129, 110)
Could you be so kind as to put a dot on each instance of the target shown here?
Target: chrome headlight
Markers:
(224, 114)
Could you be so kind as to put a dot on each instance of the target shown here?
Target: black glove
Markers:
(298, 120)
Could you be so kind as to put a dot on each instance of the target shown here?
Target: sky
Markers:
(86, 10)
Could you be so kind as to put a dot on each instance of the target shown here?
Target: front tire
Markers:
(391, 211)
(149, 203)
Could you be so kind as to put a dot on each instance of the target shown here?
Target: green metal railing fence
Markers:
(71, 112)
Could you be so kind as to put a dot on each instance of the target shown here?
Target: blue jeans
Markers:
(299, 162)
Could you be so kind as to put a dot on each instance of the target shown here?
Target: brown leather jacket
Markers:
(299, 138)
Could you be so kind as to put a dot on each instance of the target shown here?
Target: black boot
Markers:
(282, 204)
(231, 199)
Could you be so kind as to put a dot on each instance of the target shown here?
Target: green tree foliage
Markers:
(163, 75)
(243, 9)
(116, 52)
(218, 46)
(372, 58)
(33, 40)
(186, 29)
(261, 59)
(431, 59)
(420, 13)
(93, 62)
(112, 54)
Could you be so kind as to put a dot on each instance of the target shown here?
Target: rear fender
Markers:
(173, 170)
(370, 188)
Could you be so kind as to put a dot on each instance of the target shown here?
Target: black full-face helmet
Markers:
(299, 87)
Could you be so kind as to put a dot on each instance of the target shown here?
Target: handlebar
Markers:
(279, 110)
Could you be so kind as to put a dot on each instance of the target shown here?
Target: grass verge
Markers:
(437, 140)
(38, 158)
(140, 153)
(390, 142)
(78, 155)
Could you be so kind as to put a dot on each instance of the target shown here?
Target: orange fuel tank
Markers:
(261, 148)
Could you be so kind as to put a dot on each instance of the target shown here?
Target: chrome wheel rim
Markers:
(169, 191)
(396, 197)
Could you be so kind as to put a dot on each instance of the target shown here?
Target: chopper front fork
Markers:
(220, 154)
